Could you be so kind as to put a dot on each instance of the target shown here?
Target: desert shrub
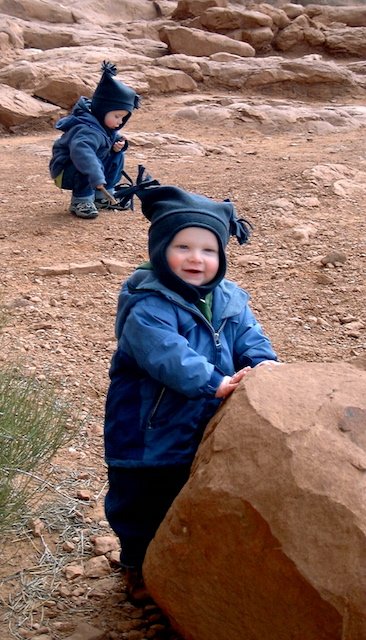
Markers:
(33, 425)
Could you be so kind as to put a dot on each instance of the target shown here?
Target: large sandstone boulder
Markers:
(267, 541)
(194, 42)
(350, 42)
(192, 8)
(226, 19)
(274, 75)
(43, 10)
(350, 16)
(18, 108)
(279, 18)
(82, 11)
(11, 35)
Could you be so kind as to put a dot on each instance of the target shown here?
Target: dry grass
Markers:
(37, 588)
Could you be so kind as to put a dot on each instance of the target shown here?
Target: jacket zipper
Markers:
(217, 341)
(216, 335)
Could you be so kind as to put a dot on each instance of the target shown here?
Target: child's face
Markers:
(193, 255)
(114, 119)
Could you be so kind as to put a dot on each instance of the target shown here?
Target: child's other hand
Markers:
(229, 384)
(119, 144)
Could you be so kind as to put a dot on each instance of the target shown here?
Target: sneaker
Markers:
(122, 204)
(135, 587)
(84, 209)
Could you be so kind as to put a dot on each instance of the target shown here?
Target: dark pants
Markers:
(78, 183)
(137, 502)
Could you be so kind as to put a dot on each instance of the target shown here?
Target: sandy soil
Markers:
(61, 327)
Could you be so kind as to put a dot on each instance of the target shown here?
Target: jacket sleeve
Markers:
(83, 153)
(251, 345)
(150, 335)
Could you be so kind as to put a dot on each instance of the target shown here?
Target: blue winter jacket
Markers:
(84, 142)
(168, 365)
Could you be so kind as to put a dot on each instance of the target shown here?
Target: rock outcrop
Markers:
(268, 538)
(53, 54)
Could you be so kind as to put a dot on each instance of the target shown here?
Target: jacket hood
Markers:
(143, 282)
(112, 95)
(80, 114)
(171, 209)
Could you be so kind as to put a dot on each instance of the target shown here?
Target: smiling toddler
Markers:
(186, 337)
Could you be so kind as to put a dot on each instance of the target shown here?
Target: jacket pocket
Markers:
(175, 411)
(155, 408)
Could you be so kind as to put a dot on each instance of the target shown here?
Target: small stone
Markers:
(335, 258)
(307, 201)
(250, 260)
(73, 571)
(114, 558)
(97, 567)
(322, 322)
(83, 475)
(37, 527)
(117, 267)
(78, 591)
(283, 203)
(347, 319)
(83, 494)
(88, 267)
(56, 270)
(303, 233)
(103, 544)
(354, 326)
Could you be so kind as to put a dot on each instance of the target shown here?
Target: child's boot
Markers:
(135, 587)
(83, 209)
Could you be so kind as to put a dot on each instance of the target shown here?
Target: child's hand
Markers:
(119, 144)
(229, 384)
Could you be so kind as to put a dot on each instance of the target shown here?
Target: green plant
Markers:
(34, 424)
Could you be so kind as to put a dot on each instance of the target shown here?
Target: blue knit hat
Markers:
(112, 95)
(171, 209)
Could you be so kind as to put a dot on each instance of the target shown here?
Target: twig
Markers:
(46, 483)
(101, 491)
(108, 195)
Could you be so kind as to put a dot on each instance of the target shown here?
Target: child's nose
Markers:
(196, 255)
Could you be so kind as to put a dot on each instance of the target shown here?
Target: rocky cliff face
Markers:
(51, 55)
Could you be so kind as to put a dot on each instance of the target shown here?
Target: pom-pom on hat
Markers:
(171, 209)
(112, 95)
